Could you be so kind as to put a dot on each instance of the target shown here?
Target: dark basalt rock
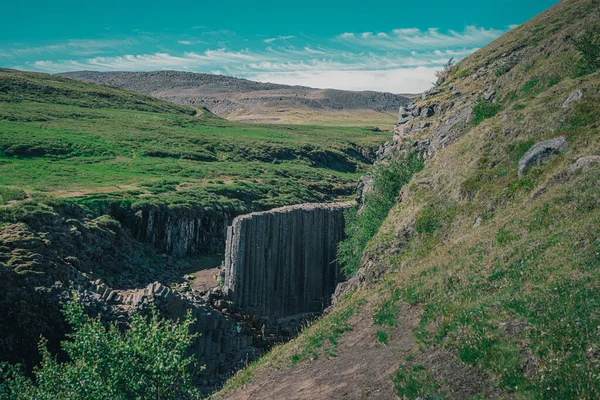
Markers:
(288, 255)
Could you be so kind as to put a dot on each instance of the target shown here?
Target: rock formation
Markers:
(282, 262)
(541, 152)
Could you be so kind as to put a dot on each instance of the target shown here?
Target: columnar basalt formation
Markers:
(283, 262)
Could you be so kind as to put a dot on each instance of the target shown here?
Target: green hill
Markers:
(66, 138)
(483, 282)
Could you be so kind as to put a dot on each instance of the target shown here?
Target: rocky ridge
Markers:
(241, 99)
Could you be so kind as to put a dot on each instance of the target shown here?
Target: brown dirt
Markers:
(205, 279)
(361, 369)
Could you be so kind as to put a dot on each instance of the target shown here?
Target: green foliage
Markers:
(537, 85)
(9, 194)
(361, 227)
(484, 110)
(585, 113)
(431, 218)
(505, 236)
(501, 70)
(146, 361)
(382, 336)
(325, 334)
(588, 45)
(415, 383)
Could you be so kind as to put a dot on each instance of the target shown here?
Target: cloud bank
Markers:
(402, 61)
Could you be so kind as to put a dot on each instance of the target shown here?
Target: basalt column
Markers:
(283, 262)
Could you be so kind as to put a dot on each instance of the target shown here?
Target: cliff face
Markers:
(180, 232)
(282, 262)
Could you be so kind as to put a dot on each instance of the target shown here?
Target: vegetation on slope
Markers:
(68, 138)
(149, 360)
(364, 222)
(503, 268)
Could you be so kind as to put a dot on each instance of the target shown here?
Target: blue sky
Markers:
(359, 45)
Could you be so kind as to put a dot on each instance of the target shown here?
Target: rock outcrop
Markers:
(541, 152)
(283, 262)
(584, 162)
(573, 97)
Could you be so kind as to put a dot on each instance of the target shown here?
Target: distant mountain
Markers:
(242, 99)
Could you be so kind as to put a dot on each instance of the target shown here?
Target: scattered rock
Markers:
(541, 152)
(573, 97)
(584, 162)
(427, 112)
(489, 95)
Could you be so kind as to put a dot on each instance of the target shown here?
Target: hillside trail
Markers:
(361, 369)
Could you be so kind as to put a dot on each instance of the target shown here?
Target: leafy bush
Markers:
(361, 227)
(484, 110)
(147, 361)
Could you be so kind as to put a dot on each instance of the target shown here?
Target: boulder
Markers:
(573, 97)
(427, 112)
(541, 152)
(584, 162)
(489, 95)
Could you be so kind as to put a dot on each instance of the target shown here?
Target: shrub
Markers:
(147, 361)
(361, 227)
(484, 110)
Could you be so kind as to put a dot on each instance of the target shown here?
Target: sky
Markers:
(393, 46)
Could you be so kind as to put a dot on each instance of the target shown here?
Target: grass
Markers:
(415, 383)
(361, 227)
(71, 139)
(484, 110)
(323, 337)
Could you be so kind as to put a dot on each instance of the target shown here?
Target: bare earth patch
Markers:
(361, 369)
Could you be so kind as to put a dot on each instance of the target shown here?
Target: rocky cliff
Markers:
(282, 262)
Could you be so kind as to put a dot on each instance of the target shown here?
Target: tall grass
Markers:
(362, 226)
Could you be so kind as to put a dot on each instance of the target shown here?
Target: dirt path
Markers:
(205, 279)
(361, 370)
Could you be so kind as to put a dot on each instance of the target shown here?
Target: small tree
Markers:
(147, 361)
(445, 72)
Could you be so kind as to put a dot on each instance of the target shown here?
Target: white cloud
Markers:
(271, 40)
(77, 47)
(403, 60)
(399, 80)
(413, 38)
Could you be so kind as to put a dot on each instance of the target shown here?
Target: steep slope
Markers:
(244, 100)
(483, 281)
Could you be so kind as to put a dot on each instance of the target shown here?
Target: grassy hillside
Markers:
(67, 138)
(480, 283)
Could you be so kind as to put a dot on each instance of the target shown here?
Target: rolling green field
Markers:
(69, 139)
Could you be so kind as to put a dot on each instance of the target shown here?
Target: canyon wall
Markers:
(283, 262)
